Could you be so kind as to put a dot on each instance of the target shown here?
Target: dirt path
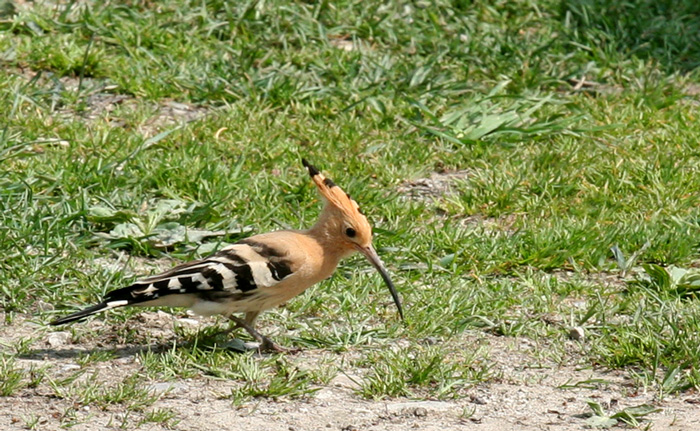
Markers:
(527, 394)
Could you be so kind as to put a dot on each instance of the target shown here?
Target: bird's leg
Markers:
(266, 345)
(249, 318)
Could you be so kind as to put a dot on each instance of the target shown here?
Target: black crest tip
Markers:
(312, 169)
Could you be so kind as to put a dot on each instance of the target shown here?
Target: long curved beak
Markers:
(373, 257)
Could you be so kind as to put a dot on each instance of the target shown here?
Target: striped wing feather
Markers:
(239, 269)
(238, 272)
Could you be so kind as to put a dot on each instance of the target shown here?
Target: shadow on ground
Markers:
(234, 345)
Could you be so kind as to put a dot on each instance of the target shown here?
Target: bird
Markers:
(259, 272)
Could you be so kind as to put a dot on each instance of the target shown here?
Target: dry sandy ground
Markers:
(525, 396)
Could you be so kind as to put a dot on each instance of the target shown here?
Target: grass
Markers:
(577, 133)
(423, 372)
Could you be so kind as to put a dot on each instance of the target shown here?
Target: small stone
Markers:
(180, 106)
(576, 333)
(326, 394)
(163, 315)
(167, 387)
(189, 322)
(44, 306)
(124, 361)
(478, 400)
(420, 412)
(57, 339)
(412, 406)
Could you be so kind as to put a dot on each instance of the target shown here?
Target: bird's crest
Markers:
(332, 193)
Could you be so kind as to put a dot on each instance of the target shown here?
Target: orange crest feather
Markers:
(331, 191)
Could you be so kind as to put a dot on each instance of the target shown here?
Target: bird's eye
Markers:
(350, 232)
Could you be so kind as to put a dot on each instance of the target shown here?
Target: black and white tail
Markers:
(114, 299)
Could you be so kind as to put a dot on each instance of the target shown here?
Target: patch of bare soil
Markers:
(692, 89)
(101, 103)
(441, 184)
(531, 391)
(437, 185)
(163, 115)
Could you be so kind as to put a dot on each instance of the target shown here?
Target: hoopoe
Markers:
(259, 272)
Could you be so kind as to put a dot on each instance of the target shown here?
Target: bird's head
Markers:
(348, 227)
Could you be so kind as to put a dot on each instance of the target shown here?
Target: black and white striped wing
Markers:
(239, 269)
(239, 272)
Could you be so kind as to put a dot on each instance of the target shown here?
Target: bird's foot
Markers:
(269, 346)
(266, 345)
